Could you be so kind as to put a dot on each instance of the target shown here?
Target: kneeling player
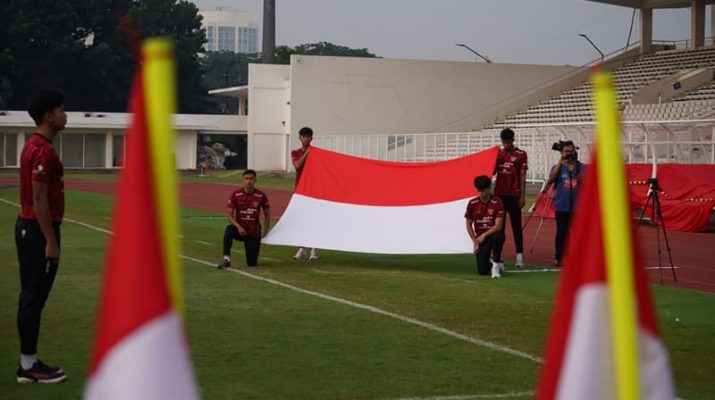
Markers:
(244, 211)
(485, 217)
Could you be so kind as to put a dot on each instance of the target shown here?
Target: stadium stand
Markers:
(575, 105)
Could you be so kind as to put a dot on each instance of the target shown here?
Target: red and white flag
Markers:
(355, 204)
(140, 347)
(604, 342)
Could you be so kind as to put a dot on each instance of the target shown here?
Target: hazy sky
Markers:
(518, 31)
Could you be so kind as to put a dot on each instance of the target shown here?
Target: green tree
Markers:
(283, 53)
(79, 47)
(226, 69)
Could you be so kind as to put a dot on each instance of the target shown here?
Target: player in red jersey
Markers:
(510, 187)
(244, 212)
(485, 217)
(299, 157)
(37, 230)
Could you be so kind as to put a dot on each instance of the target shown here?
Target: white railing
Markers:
(690, 142)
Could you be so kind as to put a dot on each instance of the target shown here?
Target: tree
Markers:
(226, 69)
(283, 53)
(78, 46)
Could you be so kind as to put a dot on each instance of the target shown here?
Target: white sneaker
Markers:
(314, 254)
(300, 255)
(519, 260)
(496, 269)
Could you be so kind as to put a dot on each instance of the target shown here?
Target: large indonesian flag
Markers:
(140, 349)
(355, 204)
(603, 341)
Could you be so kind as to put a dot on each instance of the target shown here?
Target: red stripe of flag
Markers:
(346, 179)
(135, 287)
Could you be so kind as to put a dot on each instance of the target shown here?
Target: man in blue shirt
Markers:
(566, 175)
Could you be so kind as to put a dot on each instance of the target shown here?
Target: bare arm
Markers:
(472, 235)
(497, 227)
(266, 222)
(298, 164)
(522, 199)
(41, 207)
(232, 220)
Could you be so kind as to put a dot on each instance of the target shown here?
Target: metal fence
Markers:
(689, 142)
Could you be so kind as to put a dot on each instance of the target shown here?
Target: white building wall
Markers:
(358, 96)
(185, 150)
(367, 96)
(187, 127)
(268, 116)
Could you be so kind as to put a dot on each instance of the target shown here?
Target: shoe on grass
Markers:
(497, 268)
(40, 373)
(224, 264)
(300, 255)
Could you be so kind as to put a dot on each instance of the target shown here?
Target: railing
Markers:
(685, 43)
(688, 142)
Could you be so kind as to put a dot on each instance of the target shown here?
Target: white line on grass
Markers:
(472, 396)
(426, 325)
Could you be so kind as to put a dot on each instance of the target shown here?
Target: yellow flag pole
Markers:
(616, 238)
(160, 93)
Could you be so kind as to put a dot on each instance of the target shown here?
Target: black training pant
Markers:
(511, 206)
(251, 244)
(37, 274)
(491, 247)
(563, 223)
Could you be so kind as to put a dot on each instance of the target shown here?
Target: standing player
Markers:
(299, 157)
(485, 217)
(510, 186)
(244, 211)
(37, 231)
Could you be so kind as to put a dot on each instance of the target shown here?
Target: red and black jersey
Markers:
(40, 163)
(247, 209)
(484, 214)
(511, 166)
(295, 155)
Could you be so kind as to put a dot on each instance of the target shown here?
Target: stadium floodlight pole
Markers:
(473, 51)
(583, 35)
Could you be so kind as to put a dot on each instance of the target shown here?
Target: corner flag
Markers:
(603, 341)
(140, 348)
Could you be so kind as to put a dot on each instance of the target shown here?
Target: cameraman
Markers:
(566, 175)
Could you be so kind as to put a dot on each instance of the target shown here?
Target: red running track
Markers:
(693, 253)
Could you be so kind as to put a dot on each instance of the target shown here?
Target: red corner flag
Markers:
(140, 348)
(604, 342)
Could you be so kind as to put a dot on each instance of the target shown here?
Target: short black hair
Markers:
(305, 132)
(567, 143)
(249, 172)
(507, 134)
(482, 182)
(43, 102)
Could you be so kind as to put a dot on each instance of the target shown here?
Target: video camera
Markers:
(559, 146)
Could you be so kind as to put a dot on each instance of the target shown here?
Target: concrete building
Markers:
(96, 140)
(368, 96)
(230, 31)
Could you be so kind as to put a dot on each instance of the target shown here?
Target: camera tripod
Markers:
(545, 191)
(657, 218)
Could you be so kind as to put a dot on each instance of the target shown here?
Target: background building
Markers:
(230, 31)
